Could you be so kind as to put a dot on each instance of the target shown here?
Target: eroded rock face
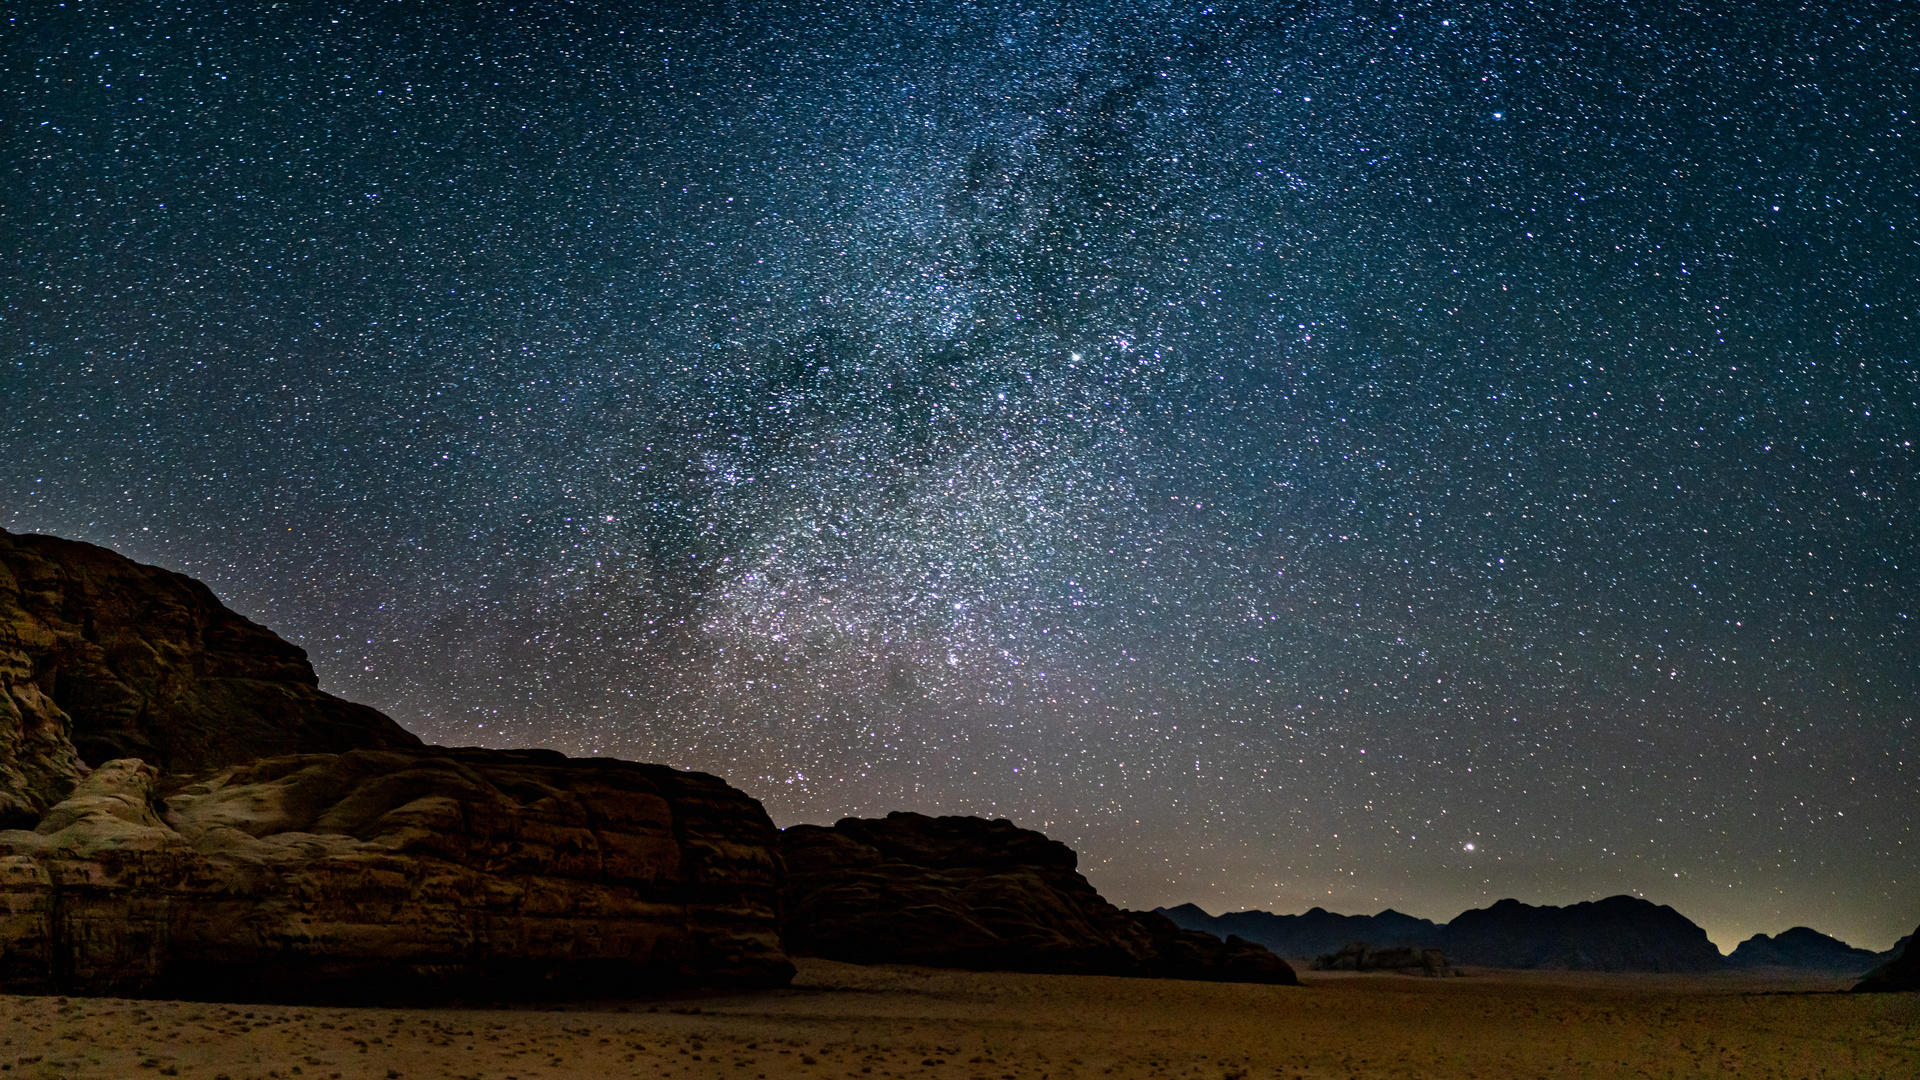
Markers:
(393, 875)
(986, 895)
(104, 658)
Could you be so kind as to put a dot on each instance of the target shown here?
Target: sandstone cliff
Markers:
(247, 837)
(964, 892)
(393, 874)
(103, 658)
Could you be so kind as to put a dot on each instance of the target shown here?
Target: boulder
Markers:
(1900, 973)
(987, 895)
(393, 874)
(104, 658)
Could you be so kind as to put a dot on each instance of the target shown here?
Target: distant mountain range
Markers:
(1620, 933)
(1316, 933)
(1809, 950)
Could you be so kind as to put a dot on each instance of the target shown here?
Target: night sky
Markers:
(1373, 455)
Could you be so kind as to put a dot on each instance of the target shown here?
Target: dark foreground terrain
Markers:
(842, 1022)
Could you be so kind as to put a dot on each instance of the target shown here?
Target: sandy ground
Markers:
(841, 1022)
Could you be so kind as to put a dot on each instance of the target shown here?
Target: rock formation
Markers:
(103, 658)
(247, 837)
(1804, 949)
(1620, 933)
(1406, 959)
(1900, 973)
(393, 874)
(987, 895)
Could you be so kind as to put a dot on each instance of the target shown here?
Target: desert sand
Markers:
(842, 1022)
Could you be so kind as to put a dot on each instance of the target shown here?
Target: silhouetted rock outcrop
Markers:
(1407, 959)
(1804, 949)
(1900, 973)
(987, 895)
(103, 658)
(247, 836)
(1620, 933)
(393, 874)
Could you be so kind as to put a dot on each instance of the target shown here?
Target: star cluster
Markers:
(1342, 455)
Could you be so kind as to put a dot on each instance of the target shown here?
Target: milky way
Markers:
(1271, 449)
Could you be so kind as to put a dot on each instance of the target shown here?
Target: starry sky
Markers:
(1358, 455)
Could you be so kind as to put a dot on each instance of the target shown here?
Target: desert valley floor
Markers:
(843, 1022)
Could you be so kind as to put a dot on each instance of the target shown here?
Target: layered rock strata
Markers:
(248, 837)
(986, 895)
(102, 658)
(393, 875)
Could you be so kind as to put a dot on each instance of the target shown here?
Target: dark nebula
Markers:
(1351, 455)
